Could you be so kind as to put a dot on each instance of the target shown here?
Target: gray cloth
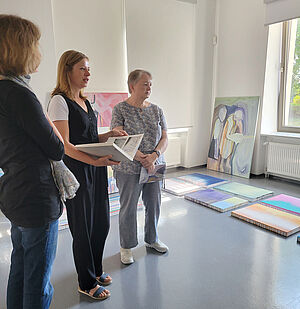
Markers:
(130, 191)
(150, 121)
(65, 181)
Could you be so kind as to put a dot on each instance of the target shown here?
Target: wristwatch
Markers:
(157, 152)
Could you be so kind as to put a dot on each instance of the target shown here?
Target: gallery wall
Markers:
(96, 29)
(241, 56)
(40, 12)
(221, 59)
(161, 39)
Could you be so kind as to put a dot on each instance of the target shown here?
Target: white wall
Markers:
(242, 46)
(95, 28)
(198, 136)
(161, 39)
(39, 11)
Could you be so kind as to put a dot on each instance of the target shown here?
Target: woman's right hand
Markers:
(139, 156)
(104, 161)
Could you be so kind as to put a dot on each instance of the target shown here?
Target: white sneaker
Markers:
(158, 246)
(126, 256)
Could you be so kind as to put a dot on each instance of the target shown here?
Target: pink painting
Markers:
(103, 104)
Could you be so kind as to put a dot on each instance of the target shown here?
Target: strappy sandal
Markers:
(101, 279)
(96, 294)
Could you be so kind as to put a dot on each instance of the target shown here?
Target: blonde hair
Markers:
(19, 48)
(65, 65)
(135, 76)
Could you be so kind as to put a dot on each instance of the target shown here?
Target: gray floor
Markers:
(215, 261)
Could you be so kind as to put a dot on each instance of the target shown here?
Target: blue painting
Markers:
(202, 180)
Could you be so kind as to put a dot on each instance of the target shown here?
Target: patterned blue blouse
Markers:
(149, 121)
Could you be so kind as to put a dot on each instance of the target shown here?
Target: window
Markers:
(289, 101)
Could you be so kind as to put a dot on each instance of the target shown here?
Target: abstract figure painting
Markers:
(269, 218)
(233, 133)
(103, 104)
(285, 203)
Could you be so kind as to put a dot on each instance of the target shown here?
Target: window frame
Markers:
(281, 127)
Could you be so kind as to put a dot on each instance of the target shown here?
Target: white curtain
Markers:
(96, 28)
(281, 10)
(161, 39)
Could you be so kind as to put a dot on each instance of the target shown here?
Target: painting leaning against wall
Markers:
(103, 104)
(233, 135)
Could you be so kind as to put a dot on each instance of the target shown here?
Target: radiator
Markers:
(173, 152)
(283, 160)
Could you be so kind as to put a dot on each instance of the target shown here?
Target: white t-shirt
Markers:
(58, 108)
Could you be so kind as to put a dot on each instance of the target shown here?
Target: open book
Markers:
(156, 175)
(122, 148)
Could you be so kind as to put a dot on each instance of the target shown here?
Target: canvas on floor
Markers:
(233, 133)
(179, 187)
(112, 185)
(114, 204)
(216, 200)
(269, 218)
(202, 180)
(248, 192)
(284, 202)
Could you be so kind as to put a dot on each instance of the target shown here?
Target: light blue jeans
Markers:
(32, 257)
(130, 191)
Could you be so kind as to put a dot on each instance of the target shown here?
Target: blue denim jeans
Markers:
(130, 190)
(32, 257)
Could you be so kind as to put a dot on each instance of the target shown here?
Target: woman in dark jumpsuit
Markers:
(88, 212)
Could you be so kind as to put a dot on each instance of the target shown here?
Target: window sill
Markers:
(283, 135)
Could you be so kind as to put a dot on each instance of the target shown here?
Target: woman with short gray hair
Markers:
(137, 115)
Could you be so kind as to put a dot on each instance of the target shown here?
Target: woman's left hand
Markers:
(149, 160)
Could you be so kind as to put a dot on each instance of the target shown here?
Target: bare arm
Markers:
(54, 129)
(73, 152)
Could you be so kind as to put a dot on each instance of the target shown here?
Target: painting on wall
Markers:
(103, 104)
(233, 134)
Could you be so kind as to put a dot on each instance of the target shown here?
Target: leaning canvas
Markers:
(248, 192)
(285, 203)
(103, 104)
(233, 134)
(269, 218)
